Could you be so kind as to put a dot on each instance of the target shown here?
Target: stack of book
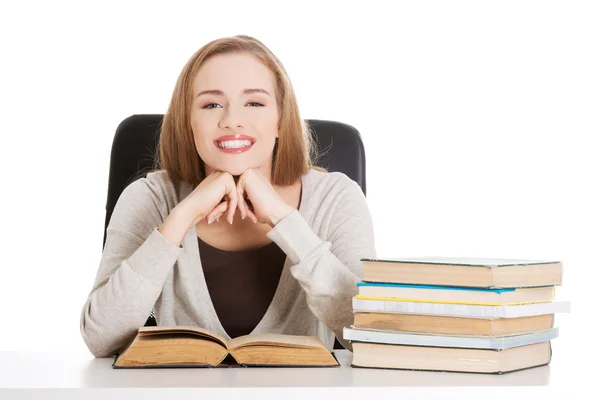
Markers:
(455, 314)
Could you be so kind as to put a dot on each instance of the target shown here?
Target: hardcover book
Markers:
(188, 346)
(470, 272)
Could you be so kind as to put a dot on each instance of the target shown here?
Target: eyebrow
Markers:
(220, 92)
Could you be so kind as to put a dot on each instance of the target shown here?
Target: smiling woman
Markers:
(249, 116)
(235, 86)
(286, 256)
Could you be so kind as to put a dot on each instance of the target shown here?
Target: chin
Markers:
(235, 170)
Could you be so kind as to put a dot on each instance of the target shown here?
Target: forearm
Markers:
(329, 281)
(329, 288)
(177, 224)
(120, 304)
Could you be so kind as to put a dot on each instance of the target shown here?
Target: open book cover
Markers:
(194, 347)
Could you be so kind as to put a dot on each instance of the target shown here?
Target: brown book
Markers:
(376, 355)
(470, 272)
(189, 346)
(452, 325)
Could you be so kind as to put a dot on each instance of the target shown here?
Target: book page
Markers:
(270, 339)
(184, 329)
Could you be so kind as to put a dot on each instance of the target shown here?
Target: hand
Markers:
(257, 199)
(209, 194)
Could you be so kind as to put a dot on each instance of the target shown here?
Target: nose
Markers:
(230, 119)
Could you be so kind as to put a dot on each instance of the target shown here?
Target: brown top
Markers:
(241, 283)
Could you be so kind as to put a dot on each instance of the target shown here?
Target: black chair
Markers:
(339, 146)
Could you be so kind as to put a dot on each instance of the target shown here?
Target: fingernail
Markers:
(210, 221)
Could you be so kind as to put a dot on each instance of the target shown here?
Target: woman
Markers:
(237, 232)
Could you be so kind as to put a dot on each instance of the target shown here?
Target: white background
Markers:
(480, 121)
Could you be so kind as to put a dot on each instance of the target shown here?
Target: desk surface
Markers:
(64, 370)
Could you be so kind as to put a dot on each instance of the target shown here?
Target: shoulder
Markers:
(336, 204)
(159, 183)
(331, 184)
(155, 185)
(155, 194)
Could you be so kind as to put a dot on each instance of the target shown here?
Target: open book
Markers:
(190, 346)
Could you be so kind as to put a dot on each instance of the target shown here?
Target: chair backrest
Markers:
(339, 146)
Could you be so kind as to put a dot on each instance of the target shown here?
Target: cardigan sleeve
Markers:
(134, 266)
(328, 270)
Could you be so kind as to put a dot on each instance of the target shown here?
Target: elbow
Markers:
(95, 345)
(99, 353)
(92, 338)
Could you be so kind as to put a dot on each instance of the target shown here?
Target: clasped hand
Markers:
(251, 193)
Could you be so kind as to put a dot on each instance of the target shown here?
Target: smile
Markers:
(234, 144)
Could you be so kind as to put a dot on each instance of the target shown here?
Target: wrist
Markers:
(184, 215)
(279, 214)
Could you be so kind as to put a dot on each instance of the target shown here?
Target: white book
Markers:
(460, 310)
(474, 342)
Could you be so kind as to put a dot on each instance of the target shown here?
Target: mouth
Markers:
(234, 144)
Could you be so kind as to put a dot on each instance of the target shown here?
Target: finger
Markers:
(252, 216)
(241, 207)
(241, 188)
(219, 209)
(218, 217)
(242, 197)
(233, 203)
(249, 209)
(242, 203)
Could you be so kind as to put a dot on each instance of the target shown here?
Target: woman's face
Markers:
(234, 114)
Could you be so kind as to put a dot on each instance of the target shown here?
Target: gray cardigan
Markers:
(140, 270)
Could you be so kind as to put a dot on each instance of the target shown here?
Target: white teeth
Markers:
(235, 144)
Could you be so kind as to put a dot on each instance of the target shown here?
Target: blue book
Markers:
(406, 285)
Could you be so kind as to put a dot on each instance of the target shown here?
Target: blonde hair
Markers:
(294, 152)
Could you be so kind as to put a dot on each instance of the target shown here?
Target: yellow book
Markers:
(454, 294)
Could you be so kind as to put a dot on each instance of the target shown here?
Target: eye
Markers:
(258, 104)
(210, 104)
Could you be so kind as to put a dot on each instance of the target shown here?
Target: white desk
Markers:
(47, 370)
(63, 372)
